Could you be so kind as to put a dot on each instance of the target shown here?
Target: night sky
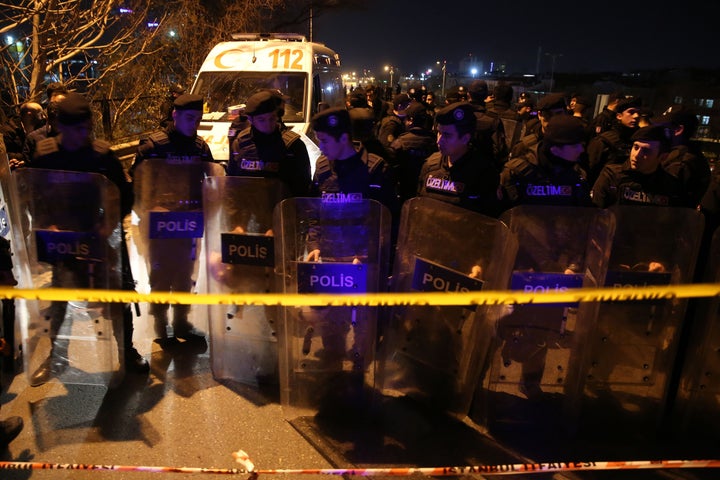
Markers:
(612, 35)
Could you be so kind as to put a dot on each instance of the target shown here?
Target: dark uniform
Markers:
(685, 160)
(171, 269)
(538, 177)
(280, 154)
(411, 149)
(95, 157)
(470, 181)
(392, 125)
(612, 146)
(169, 143)
(624, 185)
(489, 128)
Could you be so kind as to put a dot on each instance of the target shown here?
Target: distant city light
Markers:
(172, 33)
(153, 24)
(9, 40)
(125, 10)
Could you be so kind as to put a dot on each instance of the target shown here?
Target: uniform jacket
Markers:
(281, 155)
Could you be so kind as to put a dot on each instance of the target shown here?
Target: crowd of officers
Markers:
(481, 150)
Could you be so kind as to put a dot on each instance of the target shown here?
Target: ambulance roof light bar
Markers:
(257, 37)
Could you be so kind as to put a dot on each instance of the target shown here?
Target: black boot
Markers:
(54, 364)
(136, 363)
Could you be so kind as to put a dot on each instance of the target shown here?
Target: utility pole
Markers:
(552, 68)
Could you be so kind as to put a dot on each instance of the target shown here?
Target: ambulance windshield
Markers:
(226, 93)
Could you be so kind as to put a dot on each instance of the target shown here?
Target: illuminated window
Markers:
(704, 120)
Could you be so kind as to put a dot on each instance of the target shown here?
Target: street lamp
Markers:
(552, 68)
(391, 70)
(444, 70)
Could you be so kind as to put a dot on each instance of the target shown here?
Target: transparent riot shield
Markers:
(327, 354)
(10, 231)
(633, 350)
(535, 372)
(435, 354)
(696, 412)
(70, 224)
(240, 256)
(166, 235)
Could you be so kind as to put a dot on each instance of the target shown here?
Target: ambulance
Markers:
(307, 73)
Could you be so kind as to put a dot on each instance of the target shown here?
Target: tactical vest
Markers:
(247, 150)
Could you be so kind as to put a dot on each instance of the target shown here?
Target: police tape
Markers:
(487, 297)
(482, 469)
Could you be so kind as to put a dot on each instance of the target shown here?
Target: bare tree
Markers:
(78, 42)
(125, 59)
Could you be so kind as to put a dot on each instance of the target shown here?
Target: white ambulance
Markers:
(307, 73)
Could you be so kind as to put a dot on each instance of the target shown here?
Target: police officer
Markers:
(460, 173)
(346, 167)
(685, 159)
(641, 180)
(489, 128)
(550, 174)
(168, 271)
(73, 149)
(613, 146)
(180, 138)
(392, 125)
(412, 148)
(267, 148)
(604, 120)
(548, 106)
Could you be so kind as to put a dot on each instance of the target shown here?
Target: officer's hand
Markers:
(270, 233)
(476, 272)
(313, 256)
(356, 261)
(238, 230)
(16, 163)
(656, 267)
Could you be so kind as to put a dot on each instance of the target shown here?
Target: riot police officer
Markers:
(550, 174)
(172, 260)
(460, 173)
(267, 148)
(73, 149)
(613, 146)
(412, 148)
(641, 180)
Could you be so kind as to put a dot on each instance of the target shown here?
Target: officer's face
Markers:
(629, 117)
(645, 156)
(187, 121)
(450, 142)
(75, 136)
(265, 123)
(329, 145)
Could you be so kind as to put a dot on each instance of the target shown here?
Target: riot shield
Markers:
(633, 350)
(70, 224)
(166, 242)
(696, 412)
(435, 354)
(339, 244)
(240, 256)
(10, 231)
(535, 367)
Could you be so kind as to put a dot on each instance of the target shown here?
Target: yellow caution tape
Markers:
(489, 297)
